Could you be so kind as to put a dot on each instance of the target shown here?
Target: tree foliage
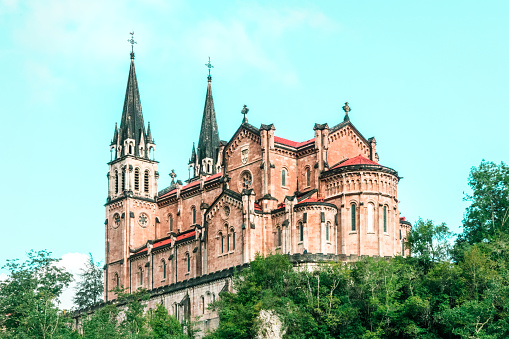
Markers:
(430, 243)
(29, 298)
(487, 217)
(372, 298)
(89, 288)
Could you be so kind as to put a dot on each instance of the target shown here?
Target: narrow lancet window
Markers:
(137, 179)
(116, 182)
(385, 219)
(352, 212)
(146, 182)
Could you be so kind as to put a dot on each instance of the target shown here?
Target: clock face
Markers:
(116, 220)
(143, 220)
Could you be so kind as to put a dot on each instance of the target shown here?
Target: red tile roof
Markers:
(144, 249)
(192, 184)
(358, 160)
(163, 242)
(257, 207)
(186, 235)
(293, 143)
(169, 193)
(311, 200)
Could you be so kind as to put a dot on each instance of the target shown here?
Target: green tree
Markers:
(89, 288)
(430, 243)
(134, 323)
(103, 323)
(163, 325)
(487, 216)
(29, 298)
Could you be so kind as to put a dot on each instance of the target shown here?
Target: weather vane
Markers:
(132, 42)
(209, 65)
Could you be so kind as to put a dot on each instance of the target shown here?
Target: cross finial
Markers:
(132, 42)
(209, 66)
(173, 175)
(244, 111)
(346, 108)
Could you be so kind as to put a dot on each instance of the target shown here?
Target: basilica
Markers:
(325, 198)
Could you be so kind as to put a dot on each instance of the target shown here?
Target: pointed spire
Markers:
(115, 136)
(132, 125)
(209, 134)
(193, 156)
(149, 135)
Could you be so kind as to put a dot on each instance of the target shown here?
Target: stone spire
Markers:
(209, 134)
(149, 135)
(132, 126)
(115, 136)
(193, 156)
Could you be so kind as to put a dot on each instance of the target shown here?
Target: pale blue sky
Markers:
(428, 79)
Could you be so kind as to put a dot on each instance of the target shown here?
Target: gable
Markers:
(246, 135)
(228, 198)
(347, 142)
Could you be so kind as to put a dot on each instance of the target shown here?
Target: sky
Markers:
(428, 79)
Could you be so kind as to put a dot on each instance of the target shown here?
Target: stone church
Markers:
(325, 198)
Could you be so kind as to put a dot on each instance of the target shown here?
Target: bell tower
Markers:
(132, 189)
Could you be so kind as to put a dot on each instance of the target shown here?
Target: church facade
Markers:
(325, 198)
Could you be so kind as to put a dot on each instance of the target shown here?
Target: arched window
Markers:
(308, 177)
(352, 212)
(116, 182)
(141, 276)
(137, 179)
(228, 235)
(164, 268)
(193, 213)
(146, 182)
(283, 177)
(117, 280)
(222, 242)
(123, 179)
(371, 217)
(130, 149)
(385, 219)
(170, 221)
(403, 248)
(188, 262)
(279, 240)
(203, 305)
(246, 180)
(301, 231)
(327, 231)
(233, 238)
